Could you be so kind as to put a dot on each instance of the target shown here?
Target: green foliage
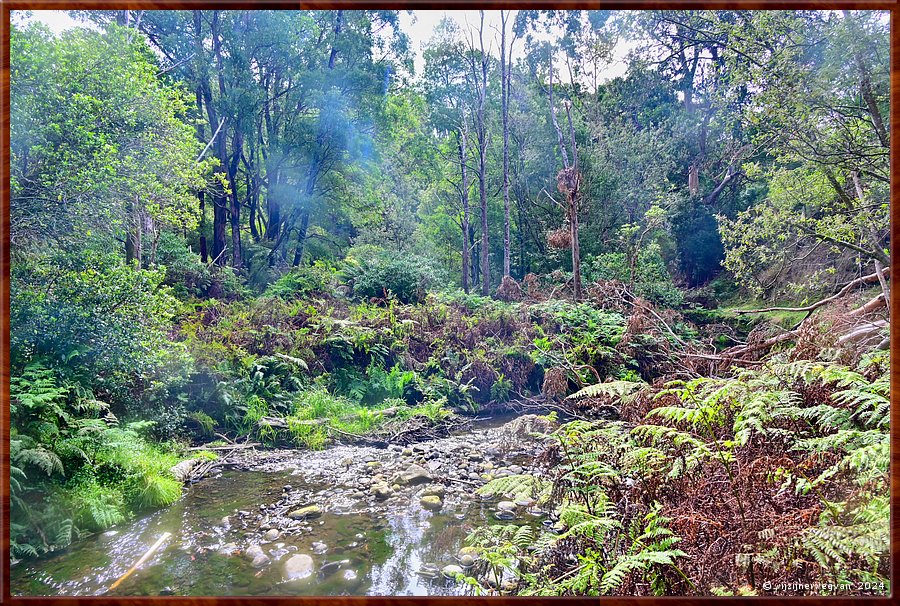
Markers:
(375, 274)
(303, 281)
(652, 278)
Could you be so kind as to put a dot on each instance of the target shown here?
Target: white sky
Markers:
(419, 26)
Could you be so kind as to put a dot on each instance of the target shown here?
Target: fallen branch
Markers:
(232, 447)
(140, 562)
(869, 279)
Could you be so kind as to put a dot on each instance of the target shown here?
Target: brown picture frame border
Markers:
(6, 6)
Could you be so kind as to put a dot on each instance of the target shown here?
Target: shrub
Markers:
(374, 273)
(652, 278)
(300, 281)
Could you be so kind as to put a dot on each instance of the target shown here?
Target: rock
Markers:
(414, 474)
(319, 548)
(515, 469)
(272, 534)
(504, 514)
(254, 551)
(286, 488)
(304, 513)
(330, 567)
(350, 575)
(526, 425)
(467, 551)
(407, 452)
(434, 489)
(260, 561)
(373, 465)
(466, 560)
(299, 566)
(347, 461)
(228, 549)
(473, 476)
(431, 502)
(524, 502)
(506, 505)
(486, 466)
(451, 570)
(167, 591)
(428, 571)
(381, 491)
(226, 521)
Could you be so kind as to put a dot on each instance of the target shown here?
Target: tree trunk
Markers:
(464, 195)
(133, 250)
(504, 103)
(203, 253)
(482, 168)
(235, 210)
(576, 250)
(220, 214)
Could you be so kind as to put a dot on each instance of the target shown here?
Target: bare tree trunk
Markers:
(568, 182)
(482, 167)
(464, 195)
(235, 210)
(504, 103)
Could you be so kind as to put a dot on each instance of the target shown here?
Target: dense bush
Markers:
(189, 277)
(302, 281)
(652, 278)
(375, 273)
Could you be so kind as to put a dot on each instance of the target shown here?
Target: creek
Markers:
(348, 520)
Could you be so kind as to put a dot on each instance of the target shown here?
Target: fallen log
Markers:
(862, 332)
(876, 303)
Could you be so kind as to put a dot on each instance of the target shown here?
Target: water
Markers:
(373, 549)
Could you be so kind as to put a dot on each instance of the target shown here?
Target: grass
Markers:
(315, 412)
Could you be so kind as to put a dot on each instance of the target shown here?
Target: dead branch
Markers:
(869, 279)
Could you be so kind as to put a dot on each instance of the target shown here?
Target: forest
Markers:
(537, 302)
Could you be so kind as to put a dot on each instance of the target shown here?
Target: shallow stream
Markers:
(357, 543)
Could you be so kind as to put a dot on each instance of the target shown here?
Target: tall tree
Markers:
(478, 60)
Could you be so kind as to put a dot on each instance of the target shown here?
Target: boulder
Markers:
(414, 474)
(434, 489)
(381, 491)
(299, 566)
(272, 534)
(431, 502)
(304, 513)
(451, 570)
